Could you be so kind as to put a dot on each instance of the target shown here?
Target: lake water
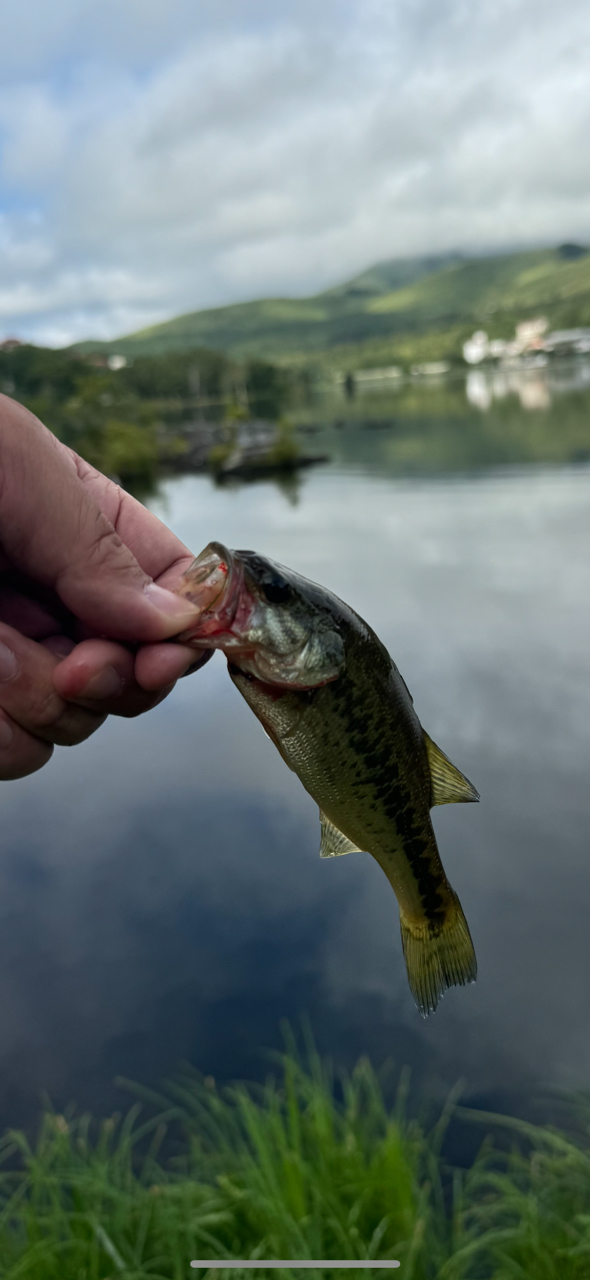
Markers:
(162, 897)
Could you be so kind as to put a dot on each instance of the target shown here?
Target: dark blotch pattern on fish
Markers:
(393, 797)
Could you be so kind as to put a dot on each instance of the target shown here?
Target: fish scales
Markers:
(332, 700)
(361, 756)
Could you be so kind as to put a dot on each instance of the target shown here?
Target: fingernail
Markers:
(106, 684)
(6, 734)
(8, 663)
(169, 604)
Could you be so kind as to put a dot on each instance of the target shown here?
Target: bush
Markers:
(129, 451)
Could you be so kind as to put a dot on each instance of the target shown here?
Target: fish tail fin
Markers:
(438, 958)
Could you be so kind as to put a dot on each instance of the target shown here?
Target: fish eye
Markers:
(276, 590)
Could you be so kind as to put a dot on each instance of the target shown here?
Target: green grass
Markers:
(526, 1213)
(391, 300)
(305, 1166)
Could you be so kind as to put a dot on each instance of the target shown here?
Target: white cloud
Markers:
(158, 158)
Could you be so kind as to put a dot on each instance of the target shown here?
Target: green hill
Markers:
(416, 296)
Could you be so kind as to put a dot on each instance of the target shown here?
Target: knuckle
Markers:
(106, 550)
(99, 552)
(44, 709)
(106, 546)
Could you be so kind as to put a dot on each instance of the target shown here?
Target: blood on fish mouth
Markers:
(207, 577)
(213, 583)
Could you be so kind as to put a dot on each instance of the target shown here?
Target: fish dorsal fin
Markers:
(333, 843)
(448, 785)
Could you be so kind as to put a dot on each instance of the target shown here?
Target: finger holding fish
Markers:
(29, 698)
(21, 752)
(158, 665)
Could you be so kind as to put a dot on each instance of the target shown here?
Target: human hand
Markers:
(86, 603)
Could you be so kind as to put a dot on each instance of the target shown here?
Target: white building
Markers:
(477, 347)
(530, 333)
(530, 336)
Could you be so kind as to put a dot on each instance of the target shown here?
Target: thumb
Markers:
(52, 529)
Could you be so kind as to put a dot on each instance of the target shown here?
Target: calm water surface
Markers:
(162, 897)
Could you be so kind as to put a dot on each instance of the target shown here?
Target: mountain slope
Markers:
(391, 298)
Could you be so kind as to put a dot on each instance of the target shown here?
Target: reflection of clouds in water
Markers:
(482, 592)
(160, 887)
(173, 907)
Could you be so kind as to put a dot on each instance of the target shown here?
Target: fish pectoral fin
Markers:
(333, 842)
(448, 784)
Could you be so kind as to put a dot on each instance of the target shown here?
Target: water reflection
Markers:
(487, 418)
(536, 383)
(530, 386)
(162, 895)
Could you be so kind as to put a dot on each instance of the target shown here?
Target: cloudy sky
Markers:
(157, 156)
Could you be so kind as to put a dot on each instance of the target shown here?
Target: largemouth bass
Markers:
(336, 707)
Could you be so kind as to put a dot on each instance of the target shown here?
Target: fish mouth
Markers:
(212, 583)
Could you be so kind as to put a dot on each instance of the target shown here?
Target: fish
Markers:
(334, 704)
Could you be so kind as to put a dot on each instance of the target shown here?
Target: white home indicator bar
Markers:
(260, 1263)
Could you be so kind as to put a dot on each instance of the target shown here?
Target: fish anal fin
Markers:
(448, 784)
(333, 842)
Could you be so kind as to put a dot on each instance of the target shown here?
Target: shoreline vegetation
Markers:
(197, 411)
(237, 390)
(312, 1164)
(200, 411)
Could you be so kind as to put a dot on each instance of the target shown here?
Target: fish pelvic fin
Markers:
(447, 784)
(437, 959)
(333, 842)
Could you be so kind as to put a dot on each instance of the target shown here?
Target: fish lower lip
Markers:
(206, 579)
(206, 583)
